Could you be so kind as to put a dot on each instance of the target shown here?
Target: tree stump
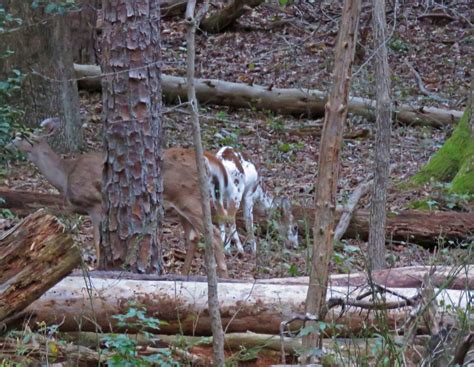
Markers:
(34, 256)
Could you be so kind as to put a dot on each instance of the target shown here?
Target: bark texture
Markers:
(293, 101)
(43, 54)
(213, 297)
(132, 185)
(376, 259)
(326, 183)
(83, 24)
(34, 256)
(184, 306)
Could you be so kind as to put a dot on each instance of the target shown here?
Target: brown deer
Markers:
(80, 180)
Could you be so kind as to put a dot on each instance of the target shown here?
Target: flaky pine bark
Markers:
(326, 183)
(132, 185)
(383, 113)
(42, 51)
(34, 256)
(213, 298)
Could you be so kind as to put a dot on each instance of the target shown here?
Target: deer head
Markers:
(28, 142)
(287, 226)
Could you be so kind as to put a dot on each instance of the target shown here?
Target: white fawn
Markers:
(244, 187)
(79, 180)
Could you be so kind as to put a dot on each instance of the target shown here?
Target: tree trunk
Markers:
(376, 259)
(213, 298)
(183, 305)
(34, 256)
(225, 17)
(43, 53)
(291, 101)
(83, 25)
(454, 161)
(326, 183)
(132, 184)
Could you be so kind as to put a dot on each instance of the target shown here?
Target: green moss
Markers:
(463, 182)
(445, 164)
(424, 204)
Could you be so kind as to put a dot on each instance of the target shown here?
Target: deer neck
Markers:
(50, 165)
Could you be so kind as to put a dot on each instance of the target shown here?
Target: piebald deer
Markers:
(80, 180)
(244, 187)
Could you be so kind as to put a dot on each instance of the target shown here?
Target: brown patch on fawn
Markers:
(229, 155)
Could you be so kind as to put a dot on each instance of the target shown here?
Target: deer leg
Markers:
(248, 219)
(96, 218)
(233, 234)
(219, 255)
(190, 239)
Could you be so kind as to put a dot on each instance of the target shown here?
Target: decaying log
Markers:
(408, 225)
(183, 305)
(225, 17)
(293, 101)
(24, 202)
(414, 226)
(34, 256)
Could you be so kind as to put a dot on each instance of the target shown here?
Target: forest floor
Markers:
(293, 47)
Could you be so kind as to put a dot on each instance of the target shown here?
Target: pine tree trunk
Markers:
(132, 184)
(378, 218)
(42, 52)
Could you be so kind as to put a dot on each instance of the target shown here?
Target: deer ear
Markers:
(50, 125)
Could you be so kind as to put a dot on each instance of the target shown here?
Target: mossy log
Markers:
(34, 256)
(454, 162)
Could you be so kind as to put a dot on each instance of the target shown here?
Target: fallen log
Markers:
(24, 202)
(414, 226)
(293, 101)
(247, 340)
(446, 277)
(227, 15)
(260, 308)
(43, 351)
(34, 256)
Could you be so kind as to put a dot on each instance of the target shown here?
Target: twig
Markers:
(285, 323)
(348, 210)
(422, 87)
